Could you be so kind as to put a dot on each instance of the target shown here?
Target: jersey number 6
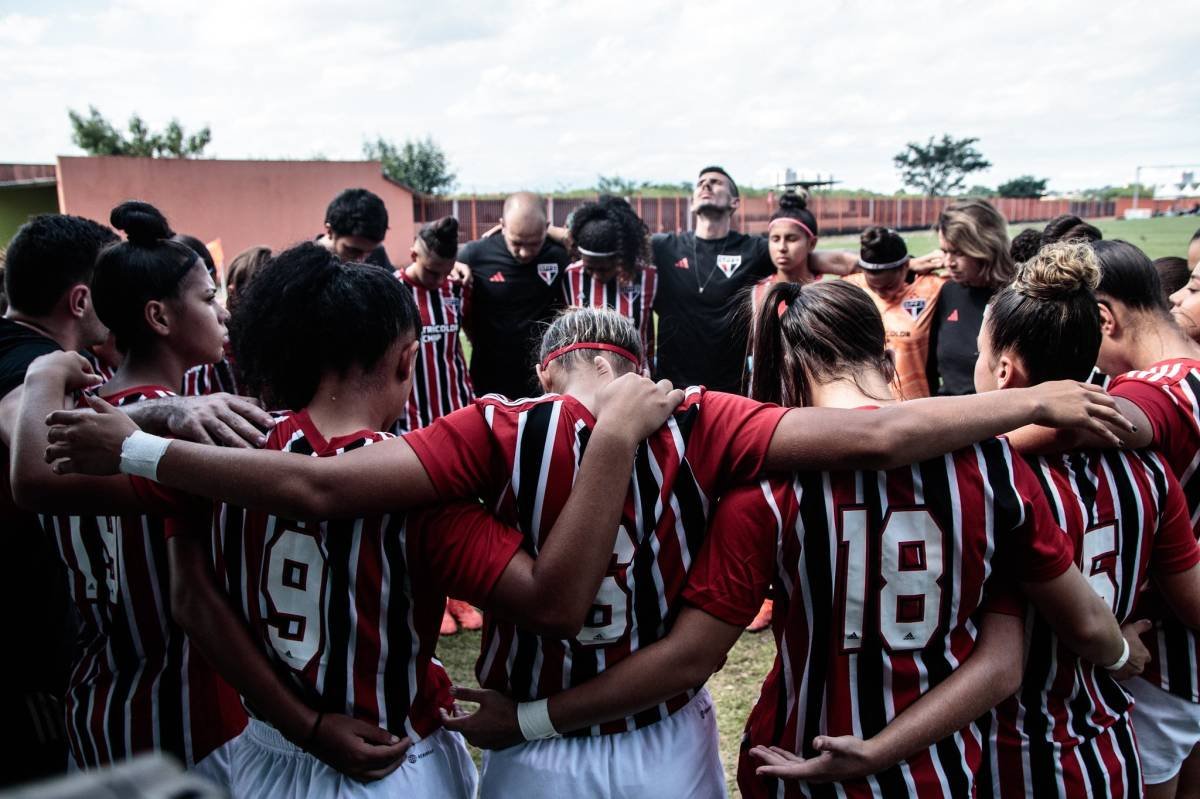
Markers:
(608, 619)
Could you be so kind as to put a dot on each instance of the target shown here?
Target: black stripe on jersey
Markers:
(1040, 652)
(1094, 773)
(984, 789)
(438, 314)
(337, 542)
(1123, 736)
(397, 695)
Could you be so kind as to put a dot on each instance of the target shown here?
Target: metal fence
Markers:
(834, 214)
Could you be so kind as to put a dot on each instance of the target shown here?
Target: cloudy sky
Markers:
(545, 95)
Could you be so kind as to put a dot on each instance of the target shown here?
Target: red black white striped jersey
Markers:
(348, 611)
(211, 378)
(633, 300)
(880, 580)
(522, 457)
(1169, 394)
(1067, 732)
(135, 685)
(441, 381)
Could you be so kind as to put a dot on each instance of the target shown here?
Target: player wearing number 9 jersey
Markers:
(1067, 732)
(880, 576)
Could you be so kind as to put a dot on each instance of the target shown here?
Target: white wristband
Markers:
(1121, 661)
(534, 720)
(141, 452)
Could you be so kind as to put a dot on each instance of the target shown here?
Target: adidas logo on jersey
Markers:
(953, 317)
(497, 278)
(682, 263)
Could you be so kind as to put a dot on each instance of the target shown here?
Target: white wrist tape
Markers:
(1121, 661)
(141, 452)
(534, 720)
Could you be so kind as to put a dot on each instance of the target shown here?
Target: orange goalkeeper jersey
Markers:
(906, 320)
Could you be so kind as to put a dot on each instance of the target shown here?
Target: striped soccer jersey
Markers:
(633, 300)
(1067, 733)
(523, 457)
(135, 685)
(348, 611)
(441, 381)
(211, 378)
(1169, 394)
(880, 579)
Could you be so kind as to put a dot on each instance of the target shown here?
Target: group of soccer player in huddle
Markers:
(992, 594)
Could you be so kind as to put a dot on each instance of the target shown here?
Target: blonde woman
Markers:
(974, 239)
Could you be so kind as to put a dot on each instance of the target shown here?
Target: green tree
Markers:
(1024, 186)
(419, 164)
(980, 191)
(97, 136)
(616, 185)
(939, 167)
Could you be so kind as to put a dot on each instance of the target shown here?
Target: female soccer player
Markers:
(613, 269)
(974, 239)
(816, 536)
(1185, 306)
(1067, 732)
(135, 685)
(792, 238)
(344, 619)
(522, 457)
(906, 305)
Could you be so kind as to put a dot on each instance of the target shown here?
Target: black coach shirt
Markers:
(19, 346)
(510, 304)
(702, 329)
(953, 339)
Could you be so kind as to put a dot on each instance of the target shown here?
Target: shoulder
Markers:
(858, 279)
(1164, 374)
(553, 251)
(134, 394)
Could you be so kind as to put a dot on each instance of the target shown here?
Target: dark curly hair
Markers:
(149, 266)
(611, 225)
(794, 205)
(48, 255)
(440, 237)
(358, 212)
(1025, 245)
(306, 313)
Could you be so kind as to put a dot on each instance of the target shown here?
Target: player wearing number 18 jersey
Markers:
(1067, 732)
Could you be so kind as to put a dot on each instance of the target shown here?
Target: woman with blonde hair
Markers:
(974, 239)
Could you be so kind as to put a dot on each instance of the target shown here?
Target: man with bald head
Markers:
(516, 288)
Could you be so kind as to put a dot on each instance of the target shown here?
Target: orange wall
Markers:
(242, 203)
(1158, 206)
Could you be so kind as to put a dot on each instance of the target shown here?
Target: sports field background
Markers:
(735, 687)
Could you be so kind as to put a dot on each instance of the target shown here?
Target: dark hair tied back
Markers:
(882, 245)
(794, 205)
(142, 223)
(441, 237)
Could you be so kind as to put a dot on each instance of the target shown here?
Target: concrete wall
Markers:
(242, 203)
(18, 203)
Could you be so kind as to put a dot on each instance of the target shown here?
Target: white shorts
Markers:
(1167, 728)
(679, 756)
(216, 766)
(267, 764)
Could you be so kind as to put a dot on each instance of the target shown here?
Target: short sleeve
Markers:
(737, 431)
(1175, 547)
(1159, 408)
(456, 451)
(463, 547)
(469, 252)
(733, 571)
(1002, 596)
(163, 500)
(1041, 550)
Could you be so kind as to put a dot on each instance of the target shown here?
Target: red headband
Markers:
(590, 345)
(794, 221)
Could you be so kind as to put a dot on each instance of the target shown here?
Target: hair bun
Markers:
(792, 200)
(881, 245)
(1058, 270)
(141, 222)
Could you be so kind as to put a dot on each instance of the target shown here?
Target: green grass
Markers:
(1156, 237)
(734, 688)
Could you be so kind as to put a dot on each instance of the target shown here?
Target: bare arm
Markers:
(356, 748)
(991, 674)
(1034, 439)
(691, 652)
(1082, 620)
(833, 262)
(908, 432)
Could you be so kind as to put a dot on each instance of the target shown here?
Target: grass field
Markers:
(735, 687)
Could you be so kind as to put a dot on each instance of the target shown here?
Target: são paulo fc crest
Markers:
(548, 272)
(729, 263)
(631, 291)
(915, 306)
(453, 304)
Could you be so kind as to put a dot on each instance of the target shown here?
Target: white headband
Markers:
(880, 267)
(591, 254)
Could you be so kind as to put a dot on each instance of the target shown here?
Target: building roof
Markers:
(28, 175)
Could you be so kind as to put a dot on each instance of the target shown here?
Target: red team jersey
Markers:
(441, 382)
(523, 456)
(135, 685)
(880, 579)
(348, 611)
(1066, 732)
(211, 378)
(634, 301)
(1169, 394)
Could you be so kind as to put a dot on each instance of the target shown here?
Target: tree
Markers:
(940, 167)
(97, 136)
(616, 186)
(421, 164)
(980, 191)
(1024, 186)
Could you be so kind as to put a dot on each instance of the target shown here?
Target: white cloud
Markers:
(542, 94)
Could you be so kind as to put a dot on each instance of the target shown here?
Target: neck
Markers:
(422, 276)
(342, 405)
(65, 332)
(712, 224)
(159, 367)
(794, 274)
(1154, 339)
(848, 393)
(582, 384)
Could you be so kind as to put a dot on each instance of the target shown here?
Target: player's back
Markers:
(335, 602)
(881, 580)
